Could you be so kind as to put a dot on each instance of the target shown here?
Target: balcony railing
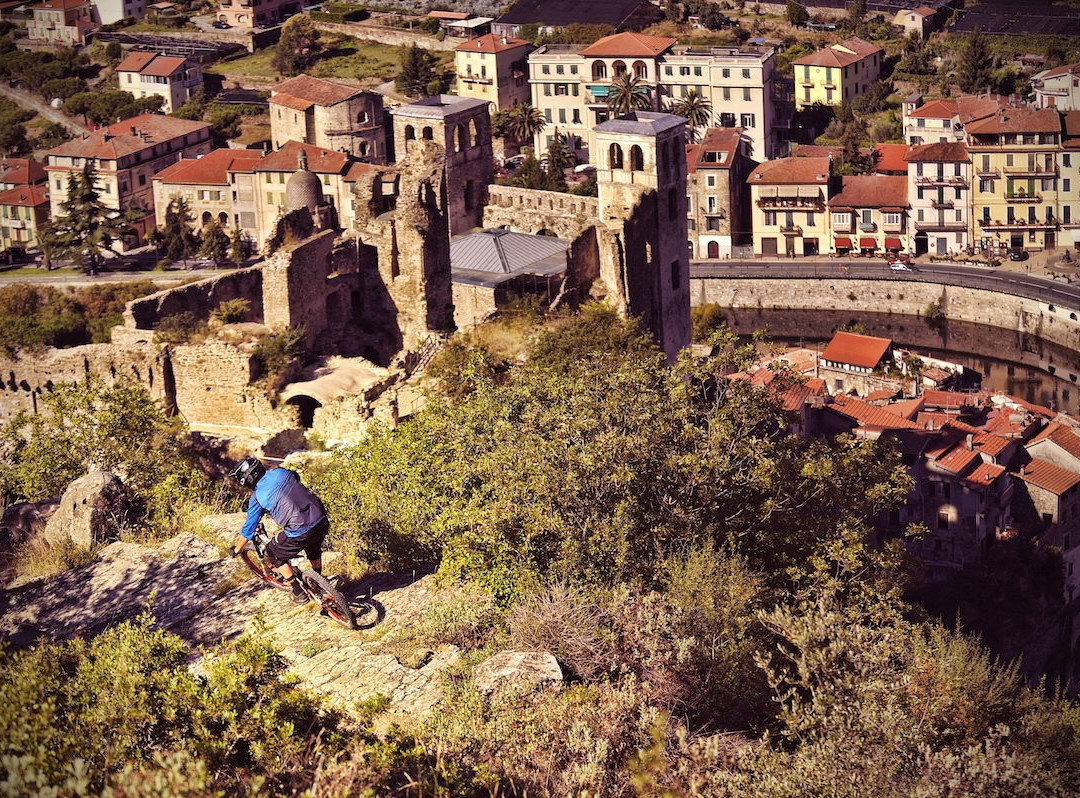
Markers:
(935, 180)
(1032, 171)
(987, 172)
(942, 205)
(935, 226)
(788, 203)
(867, 227)
(1018, 224)
(791, 230)
(1032, 198)
(475, 79)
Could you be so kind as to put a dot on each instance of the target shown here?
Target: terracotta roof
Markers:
(867, 415)
(908, 408)
(883, 395)
(315, 91)
(163, 66)
(630, 45)
(1061, 435)
(135, 60)
(924, 11)
(791, 171)
(1048, 476)
(891, 158)
(815, 151)
(715, 140)
(950, 399)
(357, 169)
(983, 475)
(21, 170)
(123, 138)
(1057, 71)
(938, 152)
(449, 14)
(957, 459)
(296, 103)
(210, 170)
(1071, 122)
(838, 55)
(992, 445)
(1018, 120)
(320, 160)
(932, 421)
(856, 350)
(26, 196)
(871, 191)
(1006, 422)
(491, 44)
(936, 109)
(66, 5)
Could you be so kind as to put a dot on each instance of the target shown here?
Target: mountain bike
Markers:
(318, 588)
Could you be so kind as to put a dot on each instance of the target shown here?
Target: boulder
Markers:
(517, 669)
(93, 509)
(23, 521)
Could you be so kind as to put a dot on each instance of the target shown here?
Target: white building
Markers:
(150, 74)
(106, 12)
(939, 192)
(1058, 88)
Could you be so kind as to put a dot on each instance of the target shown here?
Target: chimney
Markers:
(134, 130)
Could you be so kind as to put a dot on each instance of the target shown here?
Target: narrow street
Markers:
(39, 106)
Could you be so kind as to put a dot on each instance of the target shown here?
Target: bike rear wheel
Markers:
(262, 569)
(330, 599)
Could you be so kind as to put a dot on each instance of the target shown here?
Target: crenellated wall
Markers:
(527, 210)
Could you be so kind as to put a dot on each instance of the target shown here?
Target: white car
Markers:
(900, 266)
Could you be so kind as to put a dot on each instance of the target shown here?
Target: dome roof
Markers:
(304, 190)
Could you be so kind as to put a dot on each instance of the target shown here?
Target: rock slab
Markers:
(517, 669)
(93, 509)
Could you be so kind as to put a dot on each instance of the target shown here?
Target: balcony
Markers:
(940, 226)
(1031, 170)
(791, 230)
(475, 79)
(942, 205)
(1018, 224)
(867, 227)
(987, 172)
(942, 180)
(1029, 198)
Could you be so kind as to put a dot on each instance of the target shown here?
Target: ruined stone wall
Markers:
(472, 305)
(24, 378)
(294, 285)
(526, 210)
(198, 298)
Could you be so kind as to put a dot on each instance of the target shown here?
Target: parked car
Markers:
(220, 24)
(1018, 254)
(514, 162)
(900, 266)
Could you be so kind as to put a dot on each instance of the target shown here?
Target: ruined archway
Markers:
(305, 409)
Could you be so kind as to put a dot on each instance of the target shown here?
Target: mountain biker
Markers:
(299, 512)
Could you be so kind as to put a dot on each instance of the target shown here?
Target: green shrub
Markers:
(179, 328)
(705, 320)
(231, 311)
(276, 352)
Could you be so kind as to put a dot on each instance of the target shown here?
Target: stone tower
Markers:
(644, 259)
(462, 127)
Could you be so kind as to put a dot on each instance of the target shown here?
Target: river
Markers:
(1018, 364)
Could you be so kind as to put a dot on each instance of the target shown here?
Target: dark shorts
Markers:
(284, 548)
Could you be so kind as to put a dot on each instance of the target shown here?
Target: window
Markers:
(727, 94)
(142, 180)
(547, 114)
(1066, 184)
(986, 186)
(562, 90)
(712, 223)
(562, 116)
(746, 95)
(668, 71)
(892, 219)
(770, 218)
(684, 71)
(710, 181)
(841, 220)
(559, 69)
(546, 69)
(697, 74)
(547, 89)
(576, 118)
(746, 74)
(573, 69)
(746, 120)
(811, 219)
(726, 73)
(1066, 159)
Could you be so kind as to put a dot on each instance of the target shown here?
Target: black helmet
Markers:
(249, 472)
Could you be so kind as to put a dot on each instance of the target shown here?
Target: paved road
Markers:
(1042, 289)
(76, 280)
(39, 106)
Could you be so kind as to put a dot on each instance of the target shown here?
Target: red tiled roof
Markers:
(21, 171)
(491, 44)
(357, 169)
(856, 350)
(66, 5)
(313, 91)
(836, 55)
(957, 459)
(135, 60)
(891, 158)
(932, 421)
(791, 171)
(122, 139)
(25, 196)
(908, 408)
(1064, 69)
(630, 45)
(950, 399)
(163, 66)
(210, 170)
(877, 396)
(715, 140)
(956, 424)
(983, 475)
(868, 415)
(936, 109)
(992, 445)
(1061, 435)
(455, 15)
(815, 151)
(939, 152)
(1048, 476)
(320, 161)
(871, 191)
(1018, 120)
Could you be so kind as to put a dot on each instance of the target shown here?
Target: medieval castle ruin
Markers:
(373, 300)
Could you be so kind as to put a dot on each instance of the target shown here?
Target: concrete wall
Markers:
(199, 298)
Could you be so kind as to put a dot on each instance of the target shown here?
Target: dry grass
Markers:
(37, 559)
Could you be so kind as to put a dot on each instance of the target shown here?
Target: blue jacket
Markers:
(292, 506)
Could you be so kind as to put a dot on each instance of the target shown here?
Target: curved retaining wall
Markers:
(1048, 322)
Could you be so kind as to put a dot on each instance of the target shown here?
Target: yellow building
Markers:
(212, 186)
(493, 68)
(63, 22)
(23, 211)
(869, 215)
(837, 74)
(789, 215)
(1015, 158)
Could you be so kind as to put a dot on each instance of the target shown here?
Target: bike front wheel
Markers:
(261, 568)
(330, 599)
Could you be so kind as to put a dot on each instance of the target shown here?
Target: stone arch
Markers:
(714, 249)
(305, 408)
(223, 219)
(599, 70)
(410, 133)
(207, 217)
(543, 231)
(474, 131)
(637, 159)
(615, 159)
(618, 68)
(641, 70)
(461, 140)
(427, 134)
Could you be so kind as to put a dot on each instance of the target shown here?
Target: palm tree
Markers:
(696, 109)
(628, 93)
(526, 121)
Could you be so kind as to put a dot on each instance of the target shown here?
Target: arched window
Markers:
(223, 219)
(641, 70)
(410, 133)
(714, 249)
(618, 68)
(462, 142)
(474, 129)
(207, 217)
(637, 159)
(427, 134)
(599, 70)
(615, 157)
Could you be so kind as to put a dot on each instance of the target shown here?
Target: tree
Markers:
(178, 236)
(856, 16)
(696, 109)
(558, 158)
(215, 243)
(299, 46)
(530, 174)
(239, 246)
(86, 227)
(106, 107)
(976, 67)
(526, 121)
(796, 13)
(628, 93)
(417, 72)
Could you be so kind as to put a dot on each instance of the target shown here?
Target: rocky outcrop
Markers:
(93, 509)
(522, 670)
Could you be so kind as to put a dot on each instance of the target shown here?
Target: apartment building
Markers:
(21, 172)
(836, 74)
(1015, 159)
(718, 208)
(24, 210)
(330, 115)
(869, 215)
(126, 156)
(944, 120)
(211, 185)
(493, 68)
(106, 12)
(61, 22)
(939, 193)
(789, 214)
(1050, 495)
(255, 13)
(151, 74)
(1069, 209)
(1057, 88)
(570, 86)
